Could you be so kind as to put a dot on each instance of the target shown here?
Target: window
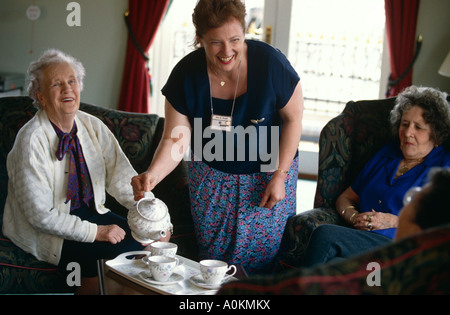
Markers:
(334, 46)
(175, 39)
(337, 48)
(254, 19)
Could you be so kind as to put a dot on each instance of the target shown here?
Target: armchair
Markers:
(417, 264)
(346, 143)
(138, 135)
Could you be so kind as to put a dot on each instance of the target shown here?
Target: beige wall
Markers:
(99, 43)
(434, 25)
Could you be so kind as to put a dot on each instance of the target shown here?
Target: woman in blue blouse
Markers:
(239, 105)
(421, 121)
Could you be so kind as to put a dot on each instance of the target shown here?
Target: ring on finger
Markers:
(369, 225)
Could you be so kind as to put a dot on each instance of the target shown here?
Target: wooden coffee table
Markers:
(128, 275)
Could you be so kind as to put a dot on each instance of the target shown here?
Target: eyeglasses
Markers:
(411, 194)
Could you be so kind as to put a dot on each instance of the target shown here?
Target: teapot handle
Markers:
(149, 194)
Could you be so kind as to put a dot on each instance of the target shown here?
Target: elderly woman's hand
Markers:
(369, 221)
(110, 233)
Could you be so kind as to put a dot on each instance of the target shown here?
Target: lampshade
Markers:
(445, 68)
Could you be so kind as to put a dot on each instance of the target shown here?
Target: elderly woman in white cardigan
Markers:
(62, 162)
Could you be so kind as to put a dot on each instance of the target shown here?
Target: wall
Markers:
(99, 43)
(434, 25)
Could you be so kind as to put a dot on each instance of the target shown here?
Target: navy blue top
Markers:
(379, 190)
(271, 81)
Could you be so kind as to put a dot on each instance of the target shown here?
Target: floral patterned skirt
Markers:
(229, 223)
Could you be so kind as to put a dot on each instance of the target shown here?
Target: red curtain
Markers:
(401, 22)
(144, 18)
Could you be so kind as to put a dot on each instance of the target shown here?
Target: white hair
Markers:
(50, 57)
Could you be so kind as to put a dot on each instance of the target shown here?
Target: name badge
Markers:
(221, 123)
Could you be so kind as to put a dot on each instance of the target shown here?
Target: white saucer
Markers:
(200, 282)
(174, 278)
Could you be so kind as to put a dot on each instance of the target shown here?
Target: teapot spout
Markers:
(157, 235)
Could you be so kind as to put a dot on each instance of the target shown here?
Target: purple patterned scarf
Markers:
(80, 186)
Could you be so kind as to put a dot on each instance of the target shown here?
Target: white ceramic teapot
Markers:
(150, 220)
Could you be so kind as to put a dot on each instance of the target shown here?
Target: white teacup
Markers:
(162, 267)
(163, 249)
(214, 271)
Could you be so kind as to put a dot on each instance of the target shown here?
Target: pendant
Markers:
(222, 83)
(403, 170)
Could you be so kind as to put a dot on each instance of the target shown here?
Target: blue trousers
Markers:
(87, 254)
(332, 242)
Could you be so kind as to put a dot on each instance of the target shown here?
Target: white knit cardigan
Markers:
(36, 217)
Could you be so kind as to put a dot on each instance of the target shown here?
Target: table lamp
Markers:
(445, 68)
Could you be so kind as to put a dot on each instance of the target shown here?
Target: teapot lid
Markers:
(152, 209)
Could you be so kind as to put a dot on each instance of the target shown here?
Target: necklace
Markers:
(222, 81)
(405, 166)
(220, 122)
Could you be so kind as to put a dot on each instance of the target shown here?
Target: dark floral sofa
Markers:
(346, 143)
(419, 264)
(138, 135)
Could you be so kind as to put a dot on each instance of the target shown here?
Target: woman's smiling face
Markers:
(224, 45)
(59, 94)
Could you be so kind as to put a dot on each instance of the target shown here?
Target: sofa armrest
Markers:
(299, 228)
(418, 264)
